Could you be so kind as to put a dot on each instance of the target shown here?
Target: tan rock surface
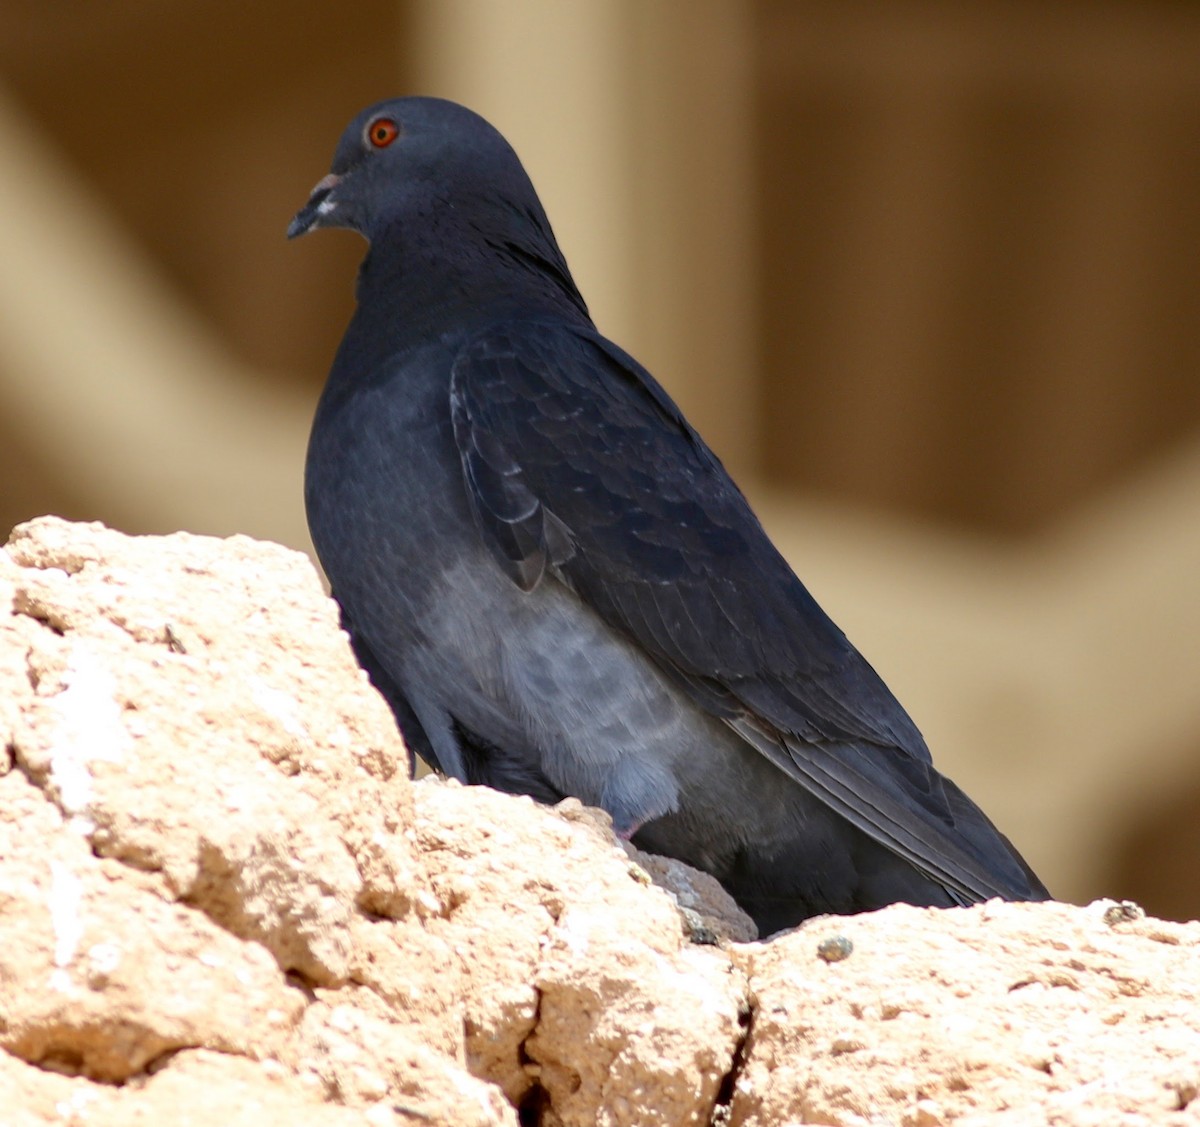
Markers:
(170, 669)
(223, 902)
(587, 972)
(1004, 1013)
(104, 976)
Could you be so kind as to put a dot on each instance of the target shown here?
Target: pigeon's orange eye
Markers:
(382, 132)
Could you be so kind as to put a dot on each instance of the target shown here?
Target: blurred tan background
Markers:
(925, 275)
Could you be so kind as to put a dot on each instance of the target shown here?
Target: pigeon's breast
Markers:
(383, 487)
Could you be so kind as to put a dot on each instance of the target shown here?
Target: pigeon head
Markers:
(440, 195)
(406, 157)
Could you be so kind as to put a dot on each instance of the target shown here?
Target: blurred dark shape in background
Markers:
(983, 262)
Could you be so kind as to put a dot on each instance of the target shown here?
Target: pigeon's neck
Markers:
(451, 271)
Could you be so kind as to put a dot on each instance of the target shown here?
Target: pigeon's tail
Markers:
(780, 885)
(961, 852)
(907, 808)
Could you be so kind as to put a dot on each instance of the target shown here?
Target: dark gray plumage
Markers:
(557, 586)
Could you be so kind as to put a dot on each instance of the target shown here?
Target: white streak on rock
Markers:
(66, 894)
(88, 728)
(280, 706)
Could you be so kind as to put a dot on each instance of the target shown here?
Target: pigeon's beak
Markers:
(320, 204)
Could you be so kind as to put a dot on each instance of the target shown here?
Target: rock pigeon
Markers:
(556, 584)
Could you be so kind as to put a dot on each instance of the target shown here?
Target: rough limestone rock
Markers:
(1000, 1014)
(223, 902)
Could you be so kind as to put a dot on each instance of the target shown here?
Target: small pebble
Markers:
(696, 929)
(1122, 912)
(835, 948)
